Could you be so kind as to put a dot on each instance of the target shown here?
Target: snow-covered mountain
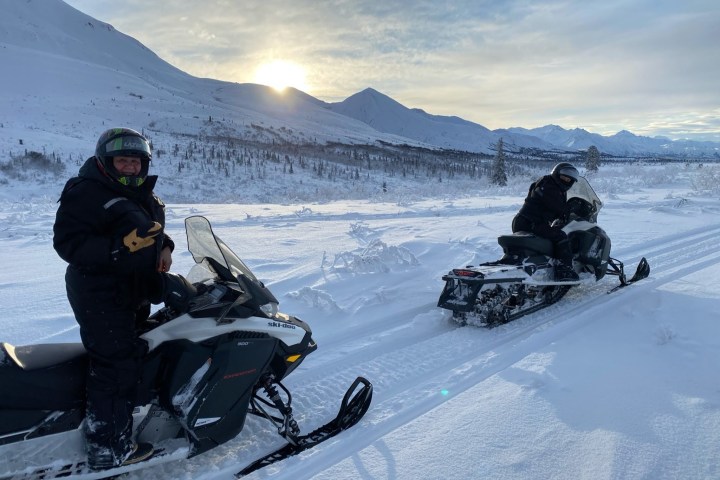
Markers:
(623, 143)
(68, 76)
(387, 115)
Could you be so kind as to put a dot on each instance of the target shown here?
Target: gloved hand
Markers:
(130, 252)
(142, 237)
(177, 292)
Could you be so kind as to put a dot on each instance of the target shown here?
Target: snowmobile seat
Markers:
(46, 376)
(32, 357)
(525, 244)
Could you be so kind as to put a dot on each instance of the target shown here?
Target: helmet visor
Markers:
(127, 145)
(567, 180)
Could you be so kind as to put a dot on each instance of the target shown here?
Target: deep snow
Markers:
(597, 386)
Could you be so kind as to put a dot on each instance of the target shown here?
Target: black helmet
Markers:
(123, 142)
(565, 175)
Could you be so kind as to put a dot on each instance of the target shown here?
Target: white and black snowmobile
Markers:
(205, 370)
(522, 281)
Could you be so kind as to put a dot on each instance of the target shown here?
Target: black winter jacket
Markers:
(545, 201)
(111, 236)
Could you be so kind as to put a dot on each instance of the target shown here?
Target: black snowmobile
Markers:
(206, 369)
(521, 282)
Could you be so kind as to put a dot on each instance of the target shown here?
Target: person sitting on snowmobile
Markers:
(543, 212)
(109, 227)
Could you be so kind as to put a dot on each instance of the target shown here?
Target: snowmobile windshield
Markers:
(206, 247)
(215, 261)
(582, 190)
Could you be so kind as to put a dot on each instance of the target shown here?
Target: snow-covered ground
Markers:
(598, 386)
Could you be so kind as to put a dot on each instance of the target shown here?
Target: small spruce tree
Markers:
(498, 175)
(592, 159)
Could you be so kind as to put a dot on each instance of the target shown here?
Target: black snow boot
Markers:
(564, 272)
(103, 458)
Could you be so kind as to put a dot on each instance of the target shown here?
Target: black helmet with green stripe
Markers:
(123, 142)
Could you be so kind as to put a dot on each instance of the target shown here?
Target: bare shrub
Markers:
(28, 165)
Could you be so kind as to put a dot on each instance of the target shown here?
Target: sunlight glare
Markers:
(280, 74)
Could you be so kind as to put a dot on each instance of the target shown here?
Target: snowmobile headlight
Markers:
(270, 309)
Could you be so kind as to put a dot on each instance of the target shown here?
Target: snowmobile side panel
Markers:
(284, 327)
(16, 424)
(219, 415)
(593, 249)
(209, 385)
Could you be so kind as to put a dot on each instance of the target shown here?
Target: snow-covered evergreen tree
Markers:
(592, 159)
(498, 175)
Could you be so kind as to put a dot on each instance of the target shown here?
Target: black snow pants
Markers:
(108, 332)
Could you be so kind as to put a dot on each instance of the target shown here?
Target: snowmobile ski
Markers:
(354, 405)
(617, 268)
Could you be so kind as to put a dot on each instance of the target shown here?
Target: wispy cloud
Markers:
(645, 65)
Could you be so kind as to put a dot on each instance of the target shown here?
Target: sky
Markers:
(647, 66)
(597, 386)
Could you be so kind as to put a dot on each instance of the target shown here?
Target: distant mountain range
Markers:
(67, 74)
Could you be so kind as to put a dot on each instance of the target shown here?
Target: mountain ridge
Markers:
(73, 72)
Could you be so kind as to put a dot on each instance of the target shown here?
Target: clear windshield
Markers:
(206, 247)
(215, 261)
(583, 190)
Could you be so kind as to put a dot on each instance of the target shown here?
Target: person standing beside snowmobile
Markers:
(545, 203)
(109, 228)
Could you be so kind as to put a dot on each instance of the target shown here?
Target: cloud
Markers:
(501, 64)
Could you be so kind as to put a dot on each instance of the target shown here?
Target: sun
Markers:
(280, 74)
